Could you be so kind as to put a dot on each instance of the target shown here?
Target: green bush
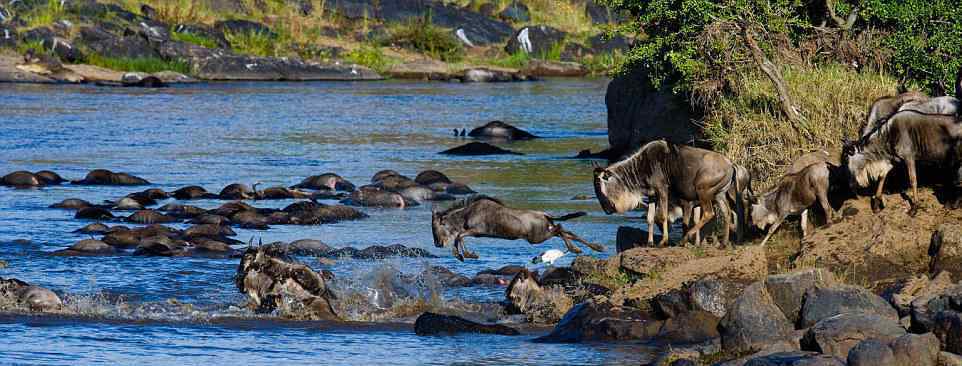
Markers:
(193, 38)
(45, 14)
(252, 43)
(369, 56)
(420, 35)
(925, 38)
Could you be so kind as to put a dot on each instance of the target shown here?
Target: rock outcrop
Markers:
(437, 324)
(638, 113)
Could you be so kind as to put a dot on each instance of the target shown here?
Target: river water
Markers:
(187, 310)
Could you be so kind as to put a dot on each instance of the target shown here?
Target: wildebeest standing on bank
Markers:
(795, 193)
(486, 217)
(907, 137)
(664, 171)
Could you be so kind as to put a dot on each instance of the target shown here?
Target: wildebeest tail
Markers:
(567, 217)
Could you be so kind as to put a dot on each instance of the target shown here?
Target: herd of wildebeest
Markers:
(671, 181)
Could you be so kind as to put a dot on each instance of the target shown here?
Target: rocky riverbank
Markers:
(122, 43)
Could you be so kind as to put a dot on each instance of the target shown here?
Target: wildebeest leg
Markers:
(877, 203)
(456, 251)
(826, 207)
(593, 246)
(663, 202)
(559, 231)
(771, 230)
(725, 212)
(650, 220)
(913, 182)
(696, 213)
(460, 252)
(708, 211)
(804, 223)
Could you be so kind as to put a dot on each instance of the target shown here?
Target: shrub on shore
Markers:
(193, 38)
(148, 64)
(421, 35)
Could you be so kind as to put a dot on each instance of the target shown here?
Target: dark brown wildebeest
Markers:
(907, 137)
(326, 181)
(795, 193)
(497, 130)
(884, 107)
(236, 191)
(664, 171)
(486, 217)
(106, 177)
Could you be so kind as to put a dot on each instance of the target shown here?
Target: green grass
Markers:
(253, 43)
(46, 14)
(148, 65)
(369, 56)
(193, 38)
(36, 46)
(422, 36)
(515, 61)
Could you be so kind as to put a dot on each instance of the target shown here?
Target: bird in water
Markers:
(548, 257)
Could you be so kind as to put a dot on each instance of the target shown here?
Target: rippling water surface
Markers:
(185, 310)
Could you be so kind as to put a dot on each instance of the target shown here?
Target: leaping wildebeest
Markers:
(487, 217)
(666, 172)
(908, 137)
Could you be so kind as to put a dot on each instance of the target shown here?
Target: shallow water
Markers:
(278, 133)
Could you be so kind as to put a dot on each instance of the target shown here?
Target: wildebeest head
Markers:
(761, 215)
(613, 193)
(862, 169)
(442, 229)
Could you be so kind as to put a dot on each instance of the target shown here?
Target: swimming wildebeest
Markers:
(326, 181)
(106, 177)
(907, 137)
(664, 171)
(486, 217)
(795, 193)
(497, 130)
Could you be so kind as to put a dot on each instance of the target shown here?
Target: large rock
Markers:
(420, 70)
(107, 44)
(788, 290)
(541, 68)
(796, 358)
(269, 68)
(601, 321)
(515, 12)
(945, 249)
(754, 322)
(665, 269)
(838, 334)
(907, 350)
(537, 40)
(638, 113)
(240, 26)
(436, 324)
(824, 302)
(275, 283)
(916, 292)
(947, 326)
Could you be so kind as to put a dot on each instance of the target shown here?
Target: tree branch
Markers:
(844, 24)
(774, 74)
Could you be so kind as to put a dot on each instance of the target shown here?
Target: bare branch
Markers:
(845, 24)
(774, 74)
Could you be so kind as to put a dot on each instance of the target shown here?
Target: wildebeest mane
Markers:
(643, 161)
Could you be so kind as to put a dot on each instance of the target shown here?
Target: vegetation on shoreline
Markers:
(148, 65)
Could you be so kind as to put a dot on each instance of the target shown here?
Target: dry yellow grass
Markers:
(748, 126)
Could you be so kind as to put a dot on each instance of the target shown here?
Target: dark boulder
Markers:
(840, 333)
(602, 44)
(541, 68)
(138, 80)
(788, 290)
(754, 322)
(239, 67)
(436, 324)
(537, 41)
(797, 358)
(871, 352)
(947, 326)
(497, 130)
(824, 302)
(93, 213)
(638, 113)
(204, 31)
(600, 14)
(106, 177)
(274, 282)
(602, 321)
(478, 149)
(104, 43)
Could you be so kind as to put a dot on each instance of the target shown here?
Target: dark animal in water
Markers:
(20, 179)
(278, 193)
(237, 191)
(193, 193)
(482, 216)
(795, 193)
(381, 175)
(369, 196)
(477, 149)
(664, 171)
(435, 324)
(907, 137)
(497, 130)
(429, 177)
(106, 177)
(47, 177)
(326, 181)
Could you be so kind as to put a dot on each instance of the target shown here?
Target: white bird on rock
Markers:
(548, 257)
